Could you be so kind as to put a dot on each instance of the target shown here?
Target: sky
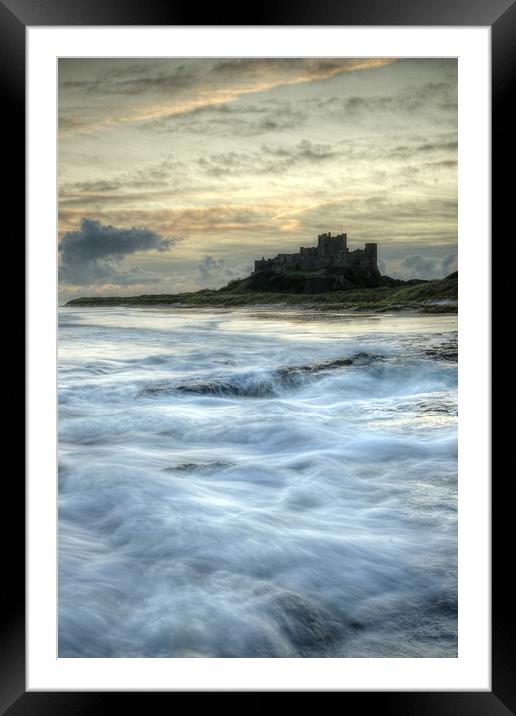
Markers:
(176, 174)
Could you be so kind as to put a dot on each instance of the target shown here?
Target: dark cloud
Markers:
(95, 240)
(94, 252)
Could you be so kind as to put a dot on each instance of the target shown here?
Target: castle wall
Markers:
(303, 263)
(360, 259)
(310, 251)
(330, 251)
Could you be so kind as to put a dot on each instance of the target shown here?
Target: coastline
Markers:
(438, 296)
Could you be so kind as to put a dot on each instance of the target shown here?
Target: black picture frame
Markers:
(500, 16)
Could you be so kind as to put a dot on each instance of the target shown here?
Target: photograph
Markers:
(257, 357)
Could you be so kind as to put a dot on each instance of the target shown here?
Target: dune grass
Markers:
(439, 296)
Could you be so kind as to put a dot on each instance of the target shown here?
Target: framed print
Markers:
(244, 243)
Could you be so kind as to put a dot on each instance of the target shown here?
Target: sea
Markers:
(256, 483)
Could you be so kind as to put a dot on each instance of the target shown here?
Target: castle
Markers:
(330, 252)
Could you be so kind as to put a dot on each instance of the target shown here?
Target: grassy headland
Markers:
(439, 296)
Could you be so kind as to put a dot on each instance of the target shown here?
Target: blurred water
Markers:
(257, 484)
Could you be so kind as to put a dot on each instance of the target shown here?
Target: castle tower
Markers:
(341, 243)
(328, 245)
(371, 250)
(323, 244)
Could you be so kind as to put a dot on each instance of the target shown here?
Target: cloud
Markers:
(425, 267)
(138, 78)
(446, 164)
(442, 94)
(185, 221)
(387, 218)
(279, 158)
(93, 254)
(158, 174)
(268, 160)
(436, 100)
(165, 88)
(449, 264)
(233, 119)
(346, 164)
(419, 267)
(295, 67)
(424, 218)
(446, 144)
(157, 76)
(215, 272)
(304, 150)
(69, 124)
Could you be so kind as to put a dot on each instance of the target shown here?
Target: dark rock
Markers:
(305, 624)
(256, 385)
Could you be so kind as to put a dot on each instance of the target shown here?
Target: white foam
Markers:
(318, 519)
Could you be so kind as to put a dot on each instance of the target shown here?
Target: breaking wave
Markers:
(240, 484)
(259, 385)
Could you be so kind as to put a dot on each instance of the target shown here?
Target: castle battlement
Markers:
(330, 252)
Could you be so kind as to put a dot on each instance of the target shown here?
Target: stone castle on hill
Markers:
(330, 252)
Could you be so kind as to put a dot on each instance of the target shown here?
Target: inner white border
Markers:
(471, 670)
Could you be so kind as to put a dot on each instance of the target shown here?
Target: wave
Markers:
(319, 520)
(259, 384)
